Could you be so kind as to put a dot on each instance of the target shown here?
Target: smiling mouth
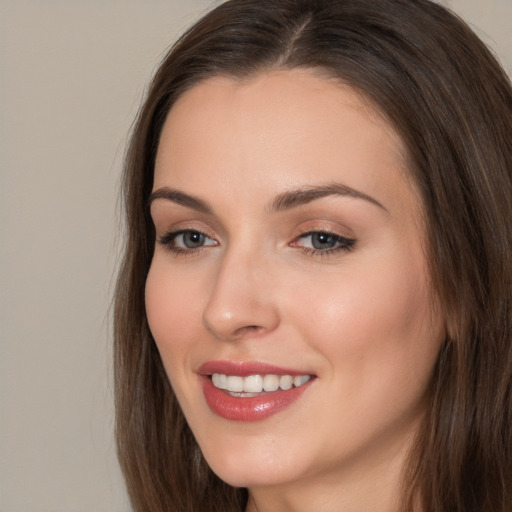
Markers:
(255, 385)
(251, 390)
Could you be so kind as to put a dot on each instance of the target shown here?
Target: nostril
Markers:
(248, 329)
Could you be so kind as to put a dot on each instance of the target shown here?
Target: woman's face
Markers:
(290, 255)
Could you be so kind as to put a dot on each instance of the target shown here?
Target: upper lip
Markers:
(246, 368)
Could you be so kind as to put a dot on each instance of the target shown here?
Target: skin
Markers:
(362, 321)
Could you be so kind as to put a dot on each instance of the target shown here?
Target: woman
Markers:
(314, 309)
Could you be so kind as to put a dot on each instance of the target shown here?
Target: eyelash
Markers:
(344, 244)
(169, 238)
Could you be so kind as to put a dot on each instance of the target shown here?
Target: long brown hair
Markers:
(451, 102)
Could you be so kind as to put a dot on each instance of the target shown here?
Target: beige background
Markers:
(71, 77)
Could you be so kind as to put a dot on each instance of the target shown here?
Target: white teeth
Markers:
(286, 382)
(257, 383)
(235, 383)
(253, 384)
(300, 379)
(271, 383)
(220, 381)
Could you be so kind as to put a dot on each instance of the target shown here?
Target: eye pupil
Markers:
(323, 240)
(192, 239)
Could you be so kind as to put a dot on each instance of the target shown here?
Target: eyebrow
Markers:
(180, 198)
(304, 195)
(285, 201)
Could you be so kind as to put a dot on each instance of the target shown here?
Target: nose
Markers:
(242, 299)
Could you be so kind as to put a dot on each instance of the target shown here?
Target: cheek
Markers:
(375, 326)
(380, 342)
(173, 308)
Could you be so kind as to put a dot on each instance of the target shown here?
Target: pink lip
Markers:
(247, 408)
(245, 368)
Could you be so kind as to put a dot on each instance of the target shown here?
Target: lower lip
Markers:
(253, 408)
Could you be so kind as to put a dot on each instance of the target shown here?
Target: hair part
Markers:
(449, 100)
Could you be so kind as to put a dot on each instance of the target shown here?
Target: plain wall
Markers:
(72, 73)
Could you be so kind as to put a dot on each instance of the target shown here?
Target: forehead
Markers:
(300, 95)
(281, 128)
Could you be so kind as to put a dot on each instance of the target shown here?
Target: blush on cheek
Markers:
(161, 311)
(388, 310)
(173, 310)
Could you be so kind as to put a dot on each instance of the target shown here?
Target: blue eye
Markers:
(189, 240)
(322, 242)
(186, 240)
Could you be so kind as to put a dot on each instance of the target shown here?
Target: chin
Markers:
(252, 467)
(251, 477)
